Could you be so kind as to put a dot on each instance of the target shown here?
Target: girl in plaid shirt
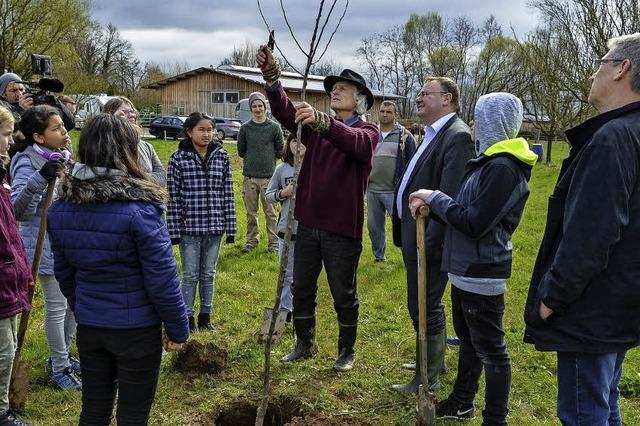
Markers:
(201, 208)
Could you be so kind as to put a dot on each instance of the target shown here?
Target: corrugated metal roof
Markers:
(290, 80)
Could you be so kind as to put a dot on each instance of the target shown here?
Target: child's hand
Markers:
(169, 346)
(287, 191)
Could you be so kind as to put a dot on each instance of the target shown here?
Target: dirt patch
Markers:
(321, 420)
(201, 358)
(241, 413)
(200, 418)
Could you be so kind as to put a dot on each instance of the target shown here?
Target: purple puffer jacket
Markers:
(15, 273)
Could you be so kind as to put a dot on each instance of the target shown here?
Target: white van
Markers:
(88, 106)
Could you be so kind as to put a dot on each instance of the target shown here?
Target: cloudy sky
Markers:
(202, 32)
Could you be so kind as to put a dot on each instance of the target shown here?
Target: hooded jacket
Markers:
(488, 205)
(112, 252)
(486, 211)
(15, 274)
(28, 195)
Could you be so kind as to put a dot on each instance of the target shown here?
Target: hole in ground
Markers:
(243, 413)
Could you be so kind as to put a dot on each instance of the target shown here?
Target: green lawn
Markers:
(246, 284)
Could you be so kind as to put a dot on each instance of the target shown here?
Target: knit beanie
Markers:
(7, 78)
(498, 116)
(257, 96)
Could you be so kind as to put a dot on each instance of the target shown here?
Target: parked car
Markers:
(167, 126)
(227, 127)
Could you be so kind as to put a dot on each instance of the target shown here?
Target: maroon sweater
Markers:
(334, 174)
(15, 273)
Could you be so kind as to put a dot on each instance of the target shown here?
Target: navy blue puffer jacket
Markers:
(112, 253)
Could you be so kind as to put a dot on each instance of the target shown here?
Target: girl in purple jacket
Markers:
(15, 275)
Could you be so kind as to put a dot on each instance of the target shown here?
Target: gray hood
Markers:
(498, 116)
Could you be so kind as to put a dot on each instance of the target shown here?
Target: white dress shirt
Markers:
(430, 133)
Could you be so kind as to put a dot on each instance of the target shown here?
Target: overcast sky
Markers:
(203, 32)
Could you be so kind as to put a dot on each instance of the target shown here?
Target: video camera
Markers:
(41, 65)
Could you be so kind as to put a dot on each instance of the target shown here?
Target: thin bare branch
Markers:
(311, 46)
(262, 15)
(344, 12)
(276, 45)
(326, 21)
(286, 21)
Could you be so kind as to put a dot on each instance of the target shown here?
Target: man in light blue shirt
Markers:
(438, 163)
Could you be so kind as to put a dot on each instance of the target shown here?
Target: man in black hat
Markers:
(329, 201)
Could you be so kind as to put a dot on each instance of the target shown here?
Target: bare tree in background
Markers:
(326, 67)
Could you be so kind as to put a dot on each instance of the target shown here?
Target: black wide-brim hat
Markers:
(353, 78)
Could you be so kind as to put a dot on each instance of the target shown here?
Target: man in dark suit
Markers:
(438, 163)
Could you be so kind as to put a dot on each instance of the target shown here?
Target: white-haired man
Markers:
(329, 201)
(584, 296)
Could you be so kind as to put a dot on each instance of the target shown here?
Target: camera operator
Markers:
(17, 98)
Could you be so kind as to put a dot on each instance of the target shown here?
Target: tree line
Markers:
(548, 68)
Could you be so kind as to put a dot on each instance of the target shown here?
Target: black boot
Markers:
(306, 346)
(346, 354)
(192, 324)
(204, 322)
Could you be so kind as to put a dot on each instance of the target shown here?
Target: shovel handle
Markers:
(35, 265)
(421, 223)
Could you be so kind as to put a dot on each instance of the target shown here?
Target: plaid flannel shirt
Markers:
(200, 195)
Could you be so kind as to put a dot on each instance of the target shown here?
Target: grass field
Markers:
(246, 283)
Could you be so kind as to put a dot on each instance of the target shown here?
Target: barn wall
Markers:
(194, 94)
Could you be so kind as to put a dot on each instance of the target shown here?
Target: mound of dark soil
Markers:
(201, 358)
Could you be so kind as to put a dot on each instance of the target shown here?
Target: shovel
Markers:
(426, 405)
(278, 329)
(21, 373)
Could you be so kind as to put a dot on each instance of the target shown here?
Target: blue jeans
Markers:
(199, 255)
(59, 322)
(379, 205)
(588, 388)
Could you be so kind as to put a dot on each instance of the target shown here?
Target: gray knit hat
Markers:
(498, 116)
(7, 78)
(257, 96)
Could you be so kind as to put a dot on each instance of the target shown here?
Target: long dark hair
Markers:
(111, 142)
(289, 156)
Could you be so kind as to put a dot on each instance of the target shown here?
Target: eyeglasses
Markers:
(128, 112)
(422, 93)
(599, 62)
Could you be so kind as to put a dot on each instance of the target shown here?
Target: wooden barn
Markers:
(217, 91)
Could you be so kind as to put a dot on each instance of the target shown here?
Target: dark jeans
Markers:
(340, 256)
(125, 360)
(477, 320)
(588, 388)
